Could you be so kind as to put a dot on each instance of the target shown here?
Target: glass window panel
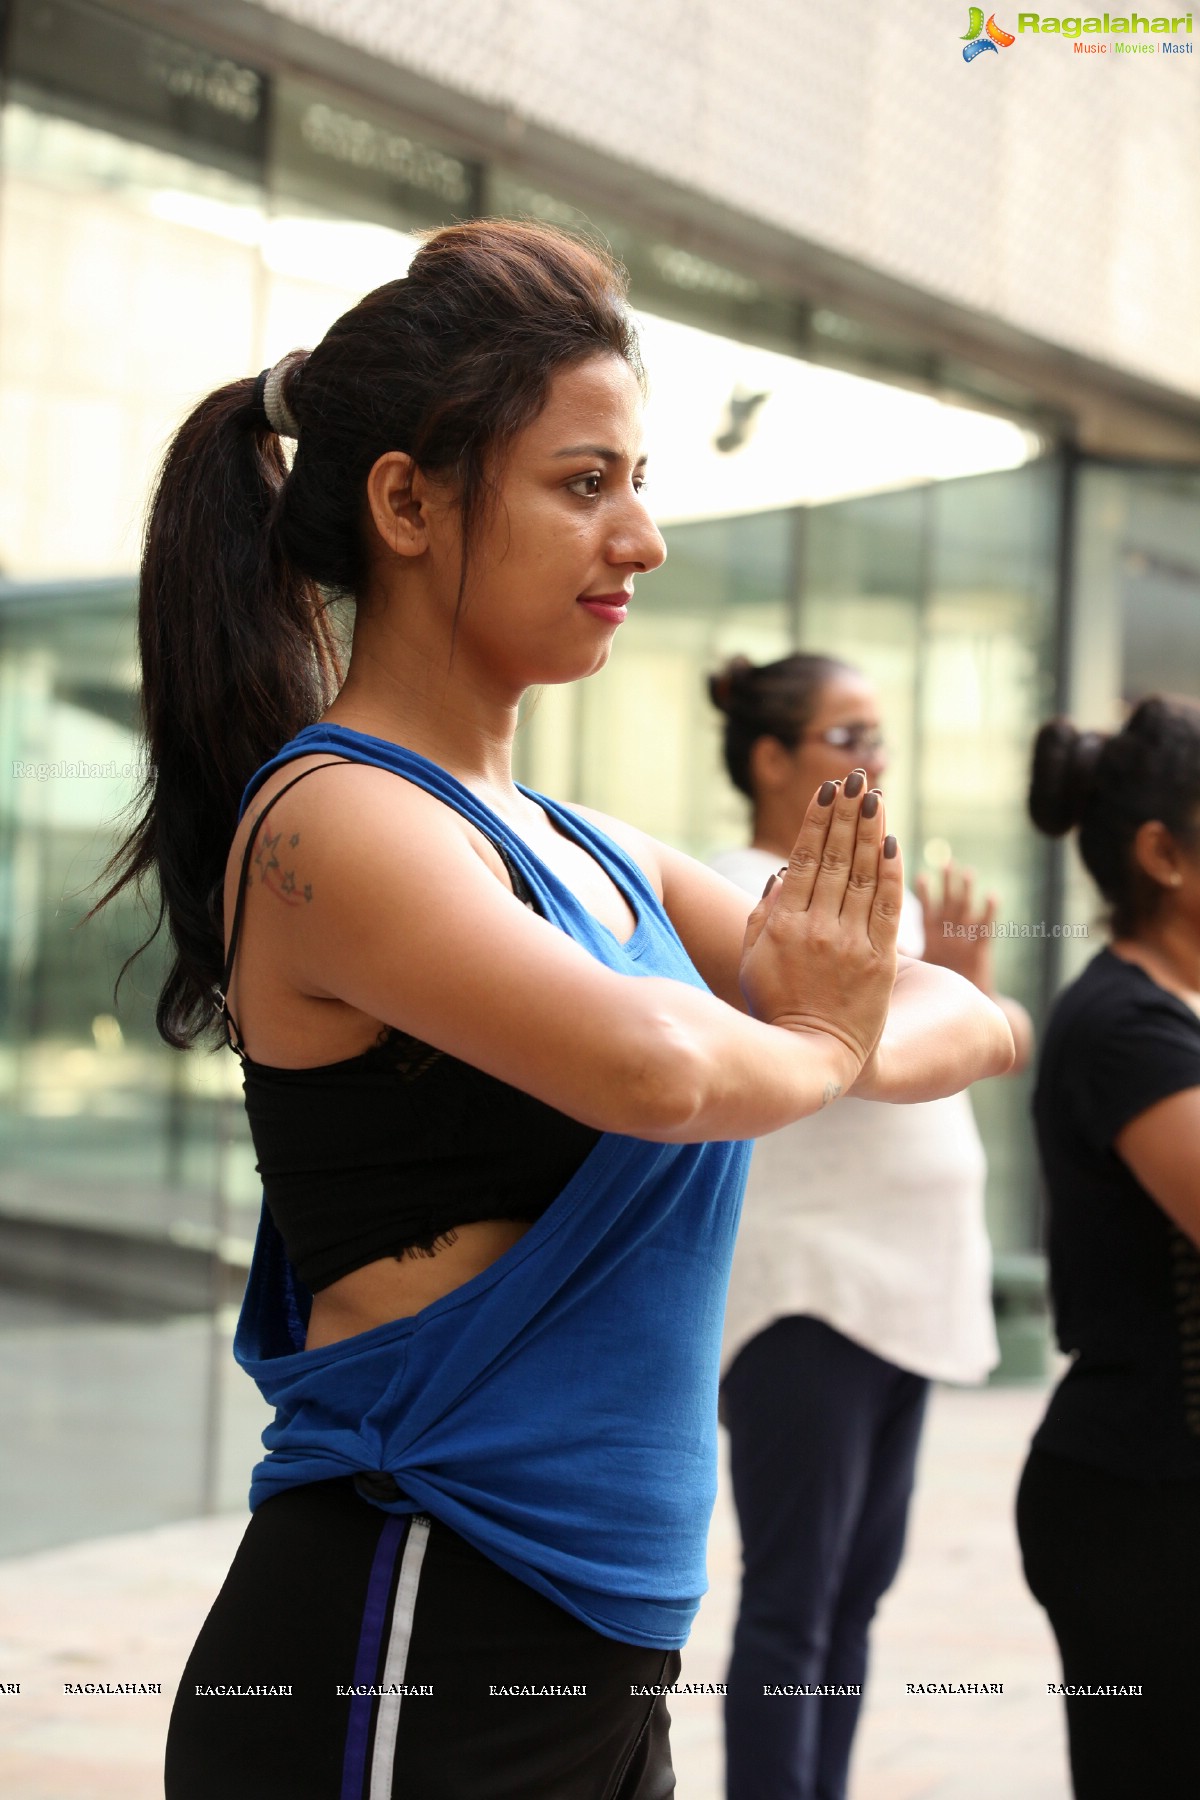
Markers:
(128, 288)
(128, 1200)
(988, 656)
(863, 587)
(944, 595)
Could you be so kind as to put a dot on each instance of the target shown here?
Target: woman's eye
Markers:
(586, 486)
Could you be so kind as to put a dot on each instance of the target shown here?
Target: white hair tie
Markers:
(277, 412)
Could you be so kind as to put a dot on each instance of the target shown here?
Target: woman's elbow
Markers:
(978, 1037)
(1021, 1026)
(656, 1085)
(997, 1049)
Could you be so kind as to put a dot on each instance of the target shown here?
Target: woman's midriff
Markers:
(396, 1287)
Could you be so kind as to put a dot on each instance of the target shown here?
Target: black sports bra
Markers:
(386, 1153)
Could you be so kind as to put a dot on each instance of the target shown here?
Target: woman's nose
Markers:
(640, 544)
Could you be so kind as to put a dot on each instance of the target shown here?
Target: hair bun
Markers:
(1064, 765)
(1157, 720)
(723, 685)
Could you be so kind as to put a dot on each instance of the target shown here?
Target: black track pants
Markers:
(328, 1595)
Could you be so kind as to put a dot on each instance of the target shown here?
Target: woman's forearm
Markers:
(691, 1069)
(941, 1034)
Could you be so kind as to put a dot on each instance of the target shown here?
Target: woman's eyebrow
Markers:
(598, 450)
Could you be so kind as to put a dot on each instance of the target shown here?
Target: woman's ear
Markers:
(770, 765)
(1157, 854)
(396, 503)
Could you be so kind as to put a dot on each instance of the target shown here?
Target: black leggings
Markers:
(1116, 1564)
(822, 1448)
(327, 1592)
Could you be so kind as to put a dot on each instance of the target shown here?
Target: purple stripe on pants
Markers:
(379, 1586)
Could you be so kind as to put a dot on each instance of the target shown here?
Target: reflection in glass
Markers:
(128, 1200)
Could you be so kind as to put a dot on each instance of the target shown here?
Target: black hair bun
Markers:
(1064, 766)
(723, 686)
(1165, 720)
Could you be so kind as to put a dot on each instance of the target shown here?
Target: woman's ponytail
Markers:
(237, 654)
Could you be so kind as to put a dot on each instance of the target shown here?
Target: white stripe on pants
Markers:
(387, 1722)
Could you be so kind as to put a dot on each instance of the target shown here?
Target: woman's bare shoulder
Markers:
(335, 803)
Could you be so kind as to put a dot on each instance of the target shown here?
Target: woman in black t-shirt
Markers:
(1109, 1505)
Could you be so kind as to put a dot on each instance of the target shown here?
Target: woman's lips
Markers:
(612, 608)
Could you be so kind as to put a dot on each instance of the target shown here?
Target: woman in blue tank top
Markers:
(501, 1057)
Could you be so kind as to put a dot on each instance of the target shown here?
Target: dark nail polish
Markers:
(890, 846)
(771, 880)
(870, 805)
(825, 793)
(855, 784)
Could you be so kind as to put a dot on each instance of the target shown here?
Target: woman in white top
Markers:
(862, 1271)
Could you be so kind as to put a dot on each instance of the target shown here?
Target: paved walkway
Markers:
(124, 1609)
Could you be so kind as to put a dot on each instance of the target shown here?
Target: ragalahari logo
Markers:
(975, 43)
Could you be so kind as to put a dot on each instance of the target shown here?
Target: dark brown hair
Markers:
(241, 556)
(775, 700)
(1109, 784)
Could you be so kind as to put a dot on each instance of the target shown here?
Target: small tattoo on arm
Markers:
(832, 1090)
(282, 882)
(265, 855)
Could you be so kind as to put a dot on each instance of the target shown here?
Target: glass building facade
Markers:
(171, 218)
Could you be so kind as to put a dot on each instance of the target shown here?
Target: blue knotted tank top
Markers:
(558, 1410)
